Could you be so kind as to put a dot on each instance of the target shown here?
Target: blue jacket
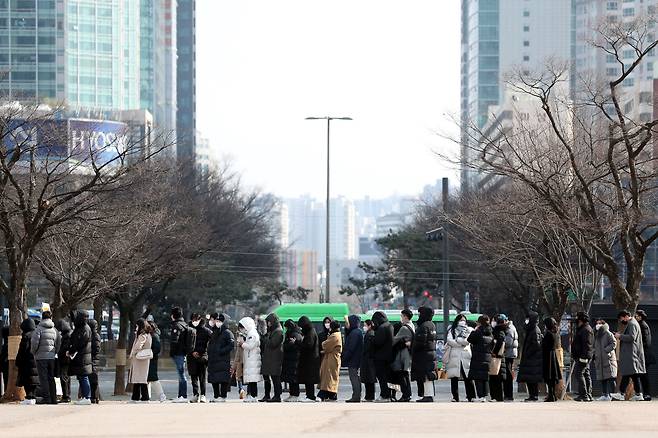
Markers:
(353, 348)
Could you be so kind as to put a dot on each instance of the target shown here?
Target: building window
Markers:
(612, 6)
(628, 107)
(628, 54)
(628, 82)
(610, 58)
(645, 97)
(526, 44)
(526, 13)
(628, 12)
(526, 28)
(612, 71)
(526, 58)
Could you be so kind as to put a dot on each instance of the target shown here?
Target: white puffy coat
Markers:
(251, 360)
(460, 352)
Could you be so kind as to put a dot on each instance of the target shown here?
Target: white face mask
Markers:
(195, 323)
(494, 323)
(461, 323)
(527, 320)
(327, 325)
(211, 323)
(218, 324)
(598, 326)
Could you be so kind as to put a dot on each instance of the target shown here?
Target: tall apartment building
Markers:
(499, 36)
(186, 78)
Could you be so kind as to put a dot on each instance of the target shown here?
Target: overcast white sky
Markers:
(392, 65)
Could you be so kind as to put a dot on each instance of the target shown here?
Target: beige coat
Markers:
(139, 368)
(330, 368)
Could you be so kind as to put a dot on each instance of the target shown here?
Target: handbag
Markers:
(496, 362)
(146, 354)
(447, 349)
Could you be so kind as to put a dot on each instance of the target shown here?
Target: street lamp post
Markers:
(328, 119)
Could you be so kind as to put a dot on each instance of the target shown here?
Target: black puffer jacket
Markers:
(383, 342)
(196, 364)
(80, 365)
(65, 329)
(95, 345)
(481, 340)
(649, 357)
(27, 366)
(220, 347)
(368, 372)
(291, 347)
(156, 347)
(582, 346)
(271, 347)
(530, 367)
(308, 368)
(423, 349)
(498, 336)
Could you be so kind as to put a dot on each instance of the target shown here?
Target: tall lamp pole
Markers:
(327, 278)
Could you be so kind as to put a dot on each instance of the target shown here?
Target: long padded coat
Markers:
(251, 358)
(330, 367)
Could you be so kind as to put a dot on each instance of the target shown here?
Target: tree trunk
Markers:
(110, 321)
(120, 355)
(98, 311)
(16, 301)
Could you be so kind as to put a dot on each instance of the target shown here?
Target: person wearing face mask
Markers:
(496, 379)
(367, 373)
(140, 355)
(181, 344)
(197, 361)
(530, 367)
(251, 357)
(631, 356)
(291, 349)
(649, 357)
(220, 346)
(605, 359)
(511, 353)
(481, 340)
(155, 387)
(423, 355)
(352, 355)
(330, 366)
(308, 367)
(272, 350)
(459, 358)
(582, 350)
(383, 354)
(326, 329)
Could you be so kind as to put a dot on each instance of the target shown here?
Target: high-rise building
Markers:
(499, 36)
(186, 79)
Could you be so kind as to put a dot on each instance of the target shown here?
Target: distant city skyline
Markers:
(398, 81)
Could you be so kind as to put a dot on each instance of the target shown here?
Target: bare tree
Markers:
(587, 160)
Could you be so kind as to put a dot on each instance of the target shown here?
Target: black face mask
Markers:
(622, 322)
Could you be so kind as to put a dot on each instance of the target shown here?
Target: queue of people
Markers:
(482, 355)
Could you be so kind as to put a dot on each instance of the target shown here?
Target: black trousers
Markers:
(581, 370)
(508, 384)
(293, 389)
(252, 389)
(46, 370)
(370, 391)
(496, 387)
(65, 381)
(637, 385)
(140, 392)
(454, 387)
(273, 381)
(93, 383)
(30, 392)
(533, 390)
(550, 387)
(220, 390)
(482, 388)
(199, 378)
(644, 379)
(310, 390)
(382, 370)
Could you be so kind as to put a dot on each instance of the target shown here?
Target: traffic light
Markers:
(434, 235)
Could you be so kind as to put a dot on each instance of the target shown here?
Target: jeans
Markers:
(140, 389)
(355, 381)
(46, 370)
(273, 381)
(508, 385)
(625, 380)
(199, 379)
(607, 386)
(182, 381)
(382, 371)
(220, 390)
(85, 389)
(584, 379)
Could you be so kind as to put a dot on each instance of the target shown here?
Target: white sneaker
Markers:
(291, 399)
(202, 399)
(251, 399)
(604, 398)
(83, 402)
(637, 397)
(308, 400)
(163, 398)
(617, 396)
(28, 402)
(194, 399)
(181, 400)
(382, 400)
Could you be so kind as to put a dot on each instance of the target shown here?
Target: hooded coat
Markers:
(195, 365)
(139, 368)
(80, 365)
(325, 332)
(460, 352)
(368, 372)
(251, 358)
(551, 371)
(423, 347)
(481, 340)
(631, 351)
(65, 329)
(291, 348)
(271, 346)
(530, 367)
(330, 367)
(308, 368)
(45, 341)
(220, 347)
(353, 349)
(25, 362)
(605, 354)
(95, 344)
(582, 346)
(649, 357)
(383, 342)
